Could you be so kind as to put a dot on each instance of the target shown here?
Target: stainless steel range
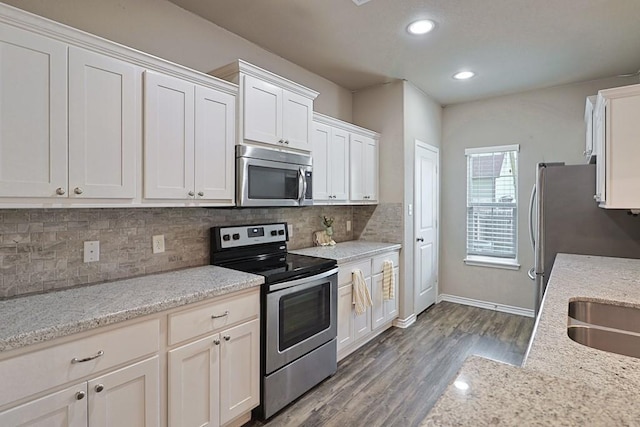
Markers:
(298, 309)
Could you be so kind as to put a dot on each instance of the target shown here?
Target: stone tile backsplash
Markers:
(380, 223)
(42, 249)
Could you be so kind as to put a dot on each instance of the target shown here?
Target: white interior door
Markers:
(426, 225)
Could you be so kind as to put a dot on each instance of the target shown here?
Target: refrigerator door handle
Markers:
(532, 238)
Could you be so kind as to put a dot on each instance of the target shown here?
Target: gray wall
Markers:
(549, 126)
(42, 249)
(163, 29)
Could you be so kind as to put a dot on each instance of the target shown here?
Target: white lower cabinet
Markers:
(215, 379)
(112, 377)
(355, 330)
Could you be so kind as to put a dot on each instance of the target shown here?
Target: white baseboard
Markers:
(488, 305)
(405, 323)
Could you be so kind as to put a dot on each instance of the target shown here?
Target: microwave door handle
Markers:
(302, 186)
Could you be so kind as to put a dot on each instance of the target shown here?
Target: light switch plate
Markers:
(348, 225)
(290, 230)
(158, 244)
(92, 251)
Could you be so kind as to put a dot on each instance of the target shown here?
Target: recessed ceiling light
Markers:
(464, 75)
(422, 26)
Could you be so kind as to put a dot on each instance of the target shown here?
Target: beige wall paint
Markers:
(549, 126)
(163, 29)
(402, 113)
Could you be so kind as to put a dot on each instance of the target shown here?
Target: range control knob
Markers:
(226, 237)
(236, 236)
(274, 233)
(281, 232)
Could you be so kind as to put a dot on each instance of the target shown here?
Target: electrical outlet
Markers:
(348, 225)
(92, 251)
(158, 244)
(290, 230)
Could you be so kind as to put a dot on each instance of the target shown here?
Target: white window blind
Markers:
(492, 205)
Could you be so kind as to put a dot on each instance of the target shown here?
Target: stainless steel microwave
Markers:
(266, 177)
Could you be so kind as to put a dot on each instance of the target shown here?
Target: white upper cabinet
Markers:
(616, 130)
(214, 145)
(169, 117)
(591, 150)
(188, 141)
(103, 120)
(272, 110)
(345, 162)
(33, 115)
(364, 168)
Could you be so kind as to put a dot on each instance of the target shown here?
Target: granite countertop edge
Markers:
(46, 331)
(345, 252)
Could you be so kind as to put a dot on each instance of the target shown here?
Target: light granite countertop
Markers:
(37, 318)
(348, 251)
(561, 382)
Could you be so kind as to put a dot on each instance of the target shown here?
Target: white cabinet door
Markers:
(321, 162)
(599, 117)
(345, 316)
(391, 305)
(64, 408)
(127, 397)
(262, 111)
(339, 165)
(356, 165)
(168, 137)
(362, 323)
(370, 167)
(33, 115)
(377, 311)
(214, 145)
(103, 118)
(194, 384)
(239, 370)
(297, 121)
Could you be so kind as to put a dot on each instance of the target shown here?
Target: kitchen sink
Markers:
(605, 314)
(605, 326)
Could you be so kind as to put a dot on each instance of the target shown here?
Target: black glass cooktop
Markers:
(282, 267)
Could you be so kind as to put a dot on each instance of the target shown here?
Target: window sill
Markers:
(485, 261)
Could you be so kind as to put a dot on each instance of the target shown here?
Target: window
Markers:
(492, 206)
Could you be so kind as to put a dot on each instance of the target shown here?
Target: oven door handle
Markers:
(292, 283)
(302, 186)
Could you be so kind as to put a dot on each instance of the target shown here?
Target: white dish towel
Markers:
(388, 282)
(361, 296)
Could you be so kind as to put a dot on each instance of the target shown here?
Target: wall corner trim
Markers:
(487, 305)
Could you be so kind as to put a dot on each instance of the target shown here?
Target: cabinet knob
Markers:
(60, 191)
(191, 193)
(281, 141)
(419, 239)
(227, 337)
(286, 141)
(78, 190)
(216, 341)
(201, 193)
(80, 395)
(99, 388)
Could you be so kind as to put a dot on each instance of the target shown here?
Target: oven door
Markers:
(300, 316)
(270, 183)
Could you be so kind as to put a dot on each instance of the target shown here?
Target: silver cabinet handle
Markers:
(99, 388)
(216, 341)
(227, 337)
(78, 190)
(201, 193)
(80, 395)
(226, 313)
(191, 193)
(286, 141)
(60, 191)
(86, 359)
(419, 239)
(281, 141)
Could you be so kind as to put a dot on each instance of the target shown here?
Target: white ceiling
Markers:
(512, 45)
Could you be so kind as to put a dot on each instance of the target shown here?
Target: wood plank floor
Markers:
(396, 379)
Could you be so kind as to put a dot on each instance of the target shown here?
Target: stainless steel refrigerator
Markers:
(564, 218)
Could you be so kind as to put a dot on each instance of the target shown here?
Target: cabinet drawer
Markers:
(189, 324)
(43, 369)
(379, 260)
(344, 271)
